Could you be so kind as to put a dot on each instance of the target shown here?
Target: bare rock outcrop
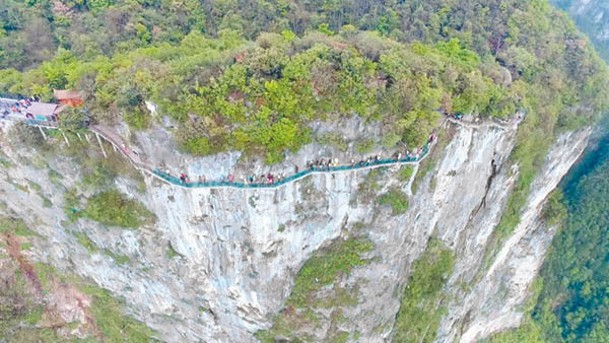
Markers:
(235, 252)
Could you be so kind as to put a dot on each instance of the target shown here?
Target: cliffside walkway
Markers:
(312, 170)
(115, 139)
(112, 137)
(134, 158)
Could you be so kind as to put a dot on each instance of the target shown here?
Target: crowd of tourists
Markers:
(319, 165)
(15, 107)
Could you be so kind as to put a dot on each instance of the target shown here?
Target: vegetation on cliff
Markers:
(396, 199)
(251, 75)
(590, 17)
(421, 308)
(319, 289)
(112, 208)
(570, 302)
(572, 305)
(40, 304)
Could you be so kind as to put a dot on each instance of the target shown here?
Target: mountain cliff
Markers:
(442, 247)
(218, 264)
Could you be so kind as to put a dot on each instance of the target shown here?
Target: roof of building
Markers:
(42, 108)
(63, 94)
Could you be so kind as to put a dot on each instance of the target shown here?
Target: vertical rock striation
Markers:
(238, 250)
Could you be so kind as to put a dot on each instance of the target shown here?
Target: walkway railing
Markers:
(12, 96)
(43, 123)
(313, 170)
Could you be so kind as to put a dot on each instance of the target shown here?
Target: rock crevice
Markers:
(236, 252)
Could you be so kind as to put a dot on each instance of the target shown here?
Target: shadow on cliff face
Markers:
(596, 154)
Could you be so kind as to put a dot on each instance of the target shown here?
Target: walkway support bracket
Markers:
(101, 145)
(44, 135)
(65, 138)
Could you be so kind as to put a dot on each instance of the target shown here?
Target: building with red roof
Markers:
(68, 97)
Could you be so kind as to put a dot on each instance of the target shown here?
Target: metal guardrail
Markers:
(313, 170)
(7, 95)
(43, 123)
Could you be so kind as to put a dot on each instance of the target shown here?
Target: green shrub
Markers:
(113, 323)
(527, 332)
(55, 177)
(364, 146)
(86, 242)
(46, 202)
(119, 259)
(333, 139)
(34, 186)
(73, 120)
(98, 176)
(405, 173)
(395, 198)
(555, 211)
(14, 226)
(4, 163)
(137, 119)
(112, 208)
(325, 267)
(420, 310)
(171, 252)
(390, 140)
(198, 146)
(71, 204)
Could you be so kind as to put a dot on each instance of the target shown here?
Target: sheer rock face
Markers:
(240, 249)
(499, 291)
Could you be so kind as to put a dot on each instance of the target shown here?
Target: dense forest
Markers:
(570, 303)
(573, 304)
(251, 75)
(590, 18)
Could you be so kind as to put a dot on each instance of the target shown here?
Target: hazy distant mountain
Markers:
(592, 17)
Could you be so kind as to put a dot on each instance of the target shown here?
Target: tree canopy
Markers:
(251, 75)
